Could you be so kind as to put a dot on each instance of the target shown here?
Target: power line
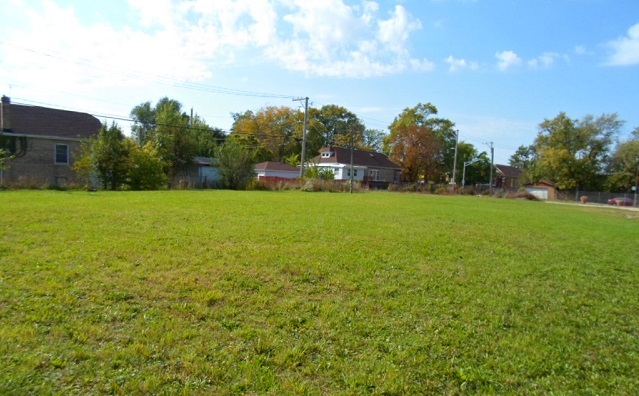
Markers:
(157, 79)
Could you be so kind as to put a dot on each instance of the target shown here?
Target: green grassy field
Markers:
(220, 292)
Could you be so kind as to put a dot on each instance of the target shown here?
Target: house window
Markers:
(374, 174)
(354, 172)
(326, 154)
(61, 154)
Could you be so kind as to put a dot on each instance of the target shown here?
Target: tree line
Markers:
(166, 140)
(581, 154)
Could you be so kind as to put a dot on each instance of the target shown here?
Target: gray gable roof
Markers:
(369, 159)
(275, 166)
(44, 121)
(508, 171)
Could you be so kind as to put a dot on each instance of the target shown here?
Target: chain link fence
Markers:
(599, 197)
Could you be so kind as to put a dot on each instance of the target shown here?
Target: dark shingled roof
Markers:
(44, 121)
(509, 171)
(369, 159)
(276, 166)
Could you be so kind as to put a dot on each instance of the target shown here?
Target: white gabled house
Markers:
(368, 166)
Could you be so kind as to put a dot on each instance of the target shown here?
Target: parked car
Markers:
(621, 201)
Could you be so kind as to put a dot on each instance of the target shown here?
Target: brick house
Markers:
(507, 177)
(45, 142)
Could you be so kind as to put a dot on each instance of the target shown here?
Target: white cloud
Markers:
(625, 49)
(545, 60)
(507, 60)
(183, 40)
(581, 50)
(395, 31)
(331, 38)
(456, 65)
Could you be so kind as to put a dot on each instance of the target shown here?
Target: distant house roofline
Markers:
(37, 121)
(363, 158)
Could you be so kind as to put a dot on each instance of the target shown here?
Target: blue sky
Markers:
(497, 68)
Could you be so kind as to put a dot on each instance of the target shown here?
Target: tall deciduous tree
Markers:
(525, 159)
(416, 150)
(105, 157)
(278, 130)
(339, 126)
(235, 162)
(478, 171)
(119, 162)
(176, 136)
(172, 138)
(624, 166)
(373, 140)
(143, 121)
(147, 169)
(574, 153)
(110, 157)
(440, 156)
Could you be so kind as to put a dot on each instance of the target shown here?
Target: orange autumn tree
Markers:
(416, 149)
(419, 142)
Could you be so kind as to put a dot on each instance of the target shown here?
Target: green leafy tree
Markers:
(277, 130)
(523, 157)
(105, 157)
(146, 171)
(624, 166)
(373, 140)
(144, 121)
(110, 155)
(339, 127)
(206, 139)
(478, 172)
(293, 159)
(172, 138)
(177, 137)
(575, 153)
(316, 172)
(235, 163)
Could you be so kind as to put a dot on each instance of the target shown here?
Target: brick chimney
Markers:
(5, 114)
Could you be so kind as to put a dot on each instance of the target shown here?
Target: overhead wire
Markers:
(171, 82)
(154, 78)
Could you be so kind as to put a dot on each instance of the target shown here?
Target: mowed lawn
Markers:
(222, 292)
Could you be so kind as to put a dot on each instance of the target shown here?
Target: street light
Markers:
(466, 163)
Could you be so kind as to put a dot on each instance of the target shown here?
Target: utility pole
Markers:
(455, 161)
(492, 158)
(352, 173)
(303, 155)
